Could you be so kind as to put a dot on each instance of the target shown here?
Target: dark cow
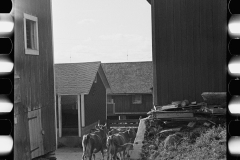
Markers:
(131, 132)
(120, 143)
(115, 145)
(94, 142)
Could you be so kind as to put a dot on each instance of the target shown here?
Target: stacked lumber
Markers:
(182, 117)
(214, 105)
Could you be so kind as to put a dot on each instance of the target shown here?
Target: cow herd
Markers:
(113, 142)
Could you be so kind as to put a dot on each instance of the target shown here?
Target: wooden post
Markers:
(55, 114)
(59, 116)
(83, 110)
(79, 116)
(54, 79)
(106, 105)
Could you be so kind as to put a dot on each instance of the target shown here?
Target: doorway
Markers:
(69, 115)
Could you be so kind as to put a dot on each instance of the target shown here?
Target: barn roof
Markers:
(77, 78)
(129, 77)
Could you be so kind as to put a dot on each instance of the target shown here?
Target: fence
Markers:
(127, 123)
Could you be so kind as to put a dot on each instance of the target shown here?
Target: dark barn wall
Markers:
(95, 103)
(36, 72)
(123, 103)
(189, 48)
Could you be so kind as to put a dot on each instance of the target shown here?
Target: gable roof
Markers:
(77, 78)
(129, 77)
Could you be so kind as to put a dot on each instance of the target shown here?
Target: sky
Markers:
(101, 30)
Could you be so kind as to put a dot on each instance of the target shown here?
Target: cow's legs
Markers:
(118, 156)
(121, 155)
(91, 154)
(83, 156)
(108, 154)
(115, 154)
(102, 153)
(115, 157)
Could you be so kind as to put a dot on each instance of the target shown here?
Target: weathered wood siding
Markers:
(35, 133)
(189, 48)
(123, 103)
(21, 134)
(36, 82)
(95, 103)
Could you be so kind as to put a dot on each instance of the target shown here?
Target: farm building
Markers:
(189, 40)
(131, 84)
(34, 103)
(81, 90)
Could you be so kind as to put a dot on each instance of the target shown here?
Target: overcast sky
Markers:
(101, 30)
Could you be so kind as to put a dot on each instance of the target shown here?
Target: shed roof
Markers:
(77, 78)
(129, 77)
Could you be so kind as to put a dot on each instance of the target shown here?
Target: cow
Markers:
(94, 142)
(131, 132)
(115, 145)
(120, 142)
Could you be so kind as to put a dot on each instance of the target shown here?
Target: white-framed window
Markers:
(137, 99)
(31, 34)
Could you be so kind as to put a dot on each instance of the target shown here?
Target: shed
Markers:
(131, 84)
(81, 90)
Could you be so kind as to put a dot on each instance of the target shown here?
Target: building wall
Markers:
(189, 48)
(36, 82)
(123, 103)
(95, 103)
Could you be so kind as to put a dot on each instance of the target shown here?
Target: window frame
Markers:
(134, 99)
(28, 50)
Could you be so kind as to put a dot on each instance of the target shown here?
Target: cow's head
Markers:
(102, 128)
(131, 133)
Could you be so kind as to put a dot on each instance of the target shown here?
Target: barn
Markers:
(189, 43)
(131, 84)
(81, 91)
(34, 102)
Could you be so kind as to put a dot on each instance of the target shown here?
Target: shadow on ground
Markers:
(68, 153)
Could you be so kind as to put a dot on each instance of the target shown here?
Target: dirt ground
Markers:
(66, 153)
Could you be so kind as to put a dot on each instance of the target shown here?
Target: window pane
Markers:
(31, 34)
(28, 30)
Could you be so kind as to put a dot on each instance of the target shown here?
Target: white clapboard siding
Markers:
(35, 133)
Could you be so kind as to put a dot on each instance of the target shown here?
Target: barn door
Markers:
(35, 132)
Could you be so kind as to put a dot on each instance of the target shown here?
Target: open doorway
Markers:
(69, 115)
